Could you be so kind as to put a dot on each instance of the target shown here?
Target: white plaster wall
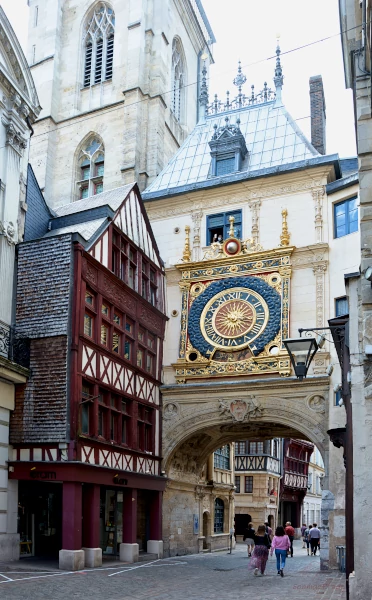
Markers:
(300, 219)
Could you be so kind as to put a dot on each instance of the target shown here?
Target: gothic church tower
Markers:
(118, 85)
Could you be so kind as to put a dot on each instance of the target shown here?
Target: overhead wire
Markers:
(80, 120)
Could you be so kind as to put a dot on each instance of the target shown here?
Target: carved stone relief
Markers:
(170, 411)
(7, 230)
(240, 410)
(317, 404)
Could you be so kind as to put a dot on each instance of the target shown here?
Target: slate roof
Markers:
(87, 230)
(112, 198)
(271, 135)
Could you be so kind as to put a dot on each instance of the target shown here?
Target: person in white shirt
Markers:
(314, 536)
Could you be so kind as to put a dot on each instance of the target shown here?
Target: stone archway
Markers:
(200, 417)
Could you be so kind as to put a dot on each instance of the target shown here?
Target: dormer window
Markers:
(228, 149)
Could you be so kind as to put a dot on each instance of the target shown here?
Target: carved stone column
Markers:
(185, 287)
(254, 205)
(196, 219)
(318, 196)
(319, 271)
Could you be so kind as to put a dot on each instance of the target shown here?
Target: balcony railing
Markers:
(14, 347)
(295, 481)
(257, 463)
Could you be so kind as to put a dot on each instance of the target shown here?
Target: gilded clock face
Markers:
(233, 318)
(240, 314)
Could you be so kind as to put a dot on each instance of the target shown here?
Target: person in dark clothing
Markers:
(261, 551)
(314, 536)
(248, 538)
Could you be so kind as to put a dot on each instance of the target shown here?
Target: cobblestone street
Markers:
(201, 577)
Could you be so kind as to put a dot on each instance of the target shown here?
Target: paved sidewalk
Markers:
(198, 577)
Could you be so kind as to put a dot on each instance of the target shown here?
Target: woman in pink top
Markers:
(281, 545)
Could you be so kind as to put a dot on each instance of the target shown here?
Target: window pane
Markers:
(151, 341)
(84, 192)
(113, 426)
(109, 57)
(131, 277)
(128, 350)
(101, 422)
(249, 484)
(88, 325)
(237, 484)
(105, 309)
(85, 172)
(89, 298)
(225, 166)
(129, 326)
(153, 296)
(141, 335)
(100, 167)
(98, 188)
(88, 65)
(116, 318)
(149, 363)
(253, 448)
(140, 358)
(104, 335)
(124, 434)
(115, 342)
(85, 417)
(259, 447)
(342, 307)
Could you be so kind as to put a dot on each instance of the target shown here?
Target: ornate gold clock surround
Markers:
(273, 267)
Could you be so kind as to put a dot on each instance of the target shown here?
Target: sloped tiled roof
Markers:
(112, 198)
(87, 229)
(271, 135)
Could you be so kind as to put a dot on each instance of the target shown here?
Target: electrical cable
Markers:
(81, 120)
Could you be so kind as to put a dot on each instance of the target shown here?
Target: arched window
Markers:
(99, 45)
(178, 80)
(91, 164)
(219, 509)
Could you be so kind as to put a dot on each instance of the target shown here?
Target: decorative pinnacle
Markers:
(278, 78)
(240, 79)
(231, 230)
(285, 236)
(203, 97)
(186, 256)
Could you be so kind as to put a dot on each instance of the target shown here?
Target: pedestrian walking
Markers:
(281, 544)
(303, 529)
(314, 535)
(269, 531)
(248, 538)
(260, 553)
(307, 539)
(290, 533)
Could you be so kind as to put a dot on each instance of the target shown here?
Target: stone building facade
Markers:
(356, 438)
(19, 107)
(125, 73)
(268, 191)
(257, 482)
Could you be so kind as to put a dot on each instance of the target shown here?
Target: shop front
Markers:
(70, 507)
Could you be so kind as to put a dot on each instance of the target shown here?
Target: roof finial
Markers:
(203, 96)
(240, 79)
(285, 235)
(278, 78)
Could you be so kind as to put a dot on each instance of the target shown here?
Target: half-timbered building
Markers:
(86, 429)
(294, 482)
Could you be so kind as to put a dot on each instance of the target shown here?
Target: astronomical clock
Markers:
(235, 309)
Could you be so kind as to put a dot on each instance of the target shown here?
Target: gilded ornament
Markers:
(285, 236)
(186, 256)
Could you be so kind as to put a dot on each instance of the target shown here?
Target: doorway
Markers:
(40, 518)
(241, 523)
(111, 517)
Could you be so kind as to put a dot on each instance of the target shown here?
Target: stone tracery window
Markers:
(99, 46)
(178, 80)
(91, 168)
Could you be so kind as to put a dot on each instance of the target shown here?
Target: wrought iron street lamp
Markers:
(301, 352)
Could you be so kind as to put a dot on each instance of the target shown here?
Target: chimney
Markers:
(318, 114)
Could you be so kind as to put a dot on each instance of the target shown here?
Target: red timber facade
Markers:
(86, 430)
(293, 487)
